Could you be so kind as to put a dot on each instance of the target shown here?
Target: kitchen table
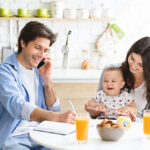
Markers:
(133, 139)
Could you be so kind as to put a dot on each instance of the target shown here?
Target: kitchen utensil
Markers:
(65, 51)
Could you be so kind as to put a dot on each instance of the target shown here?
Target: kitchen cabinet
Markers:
(78, 93)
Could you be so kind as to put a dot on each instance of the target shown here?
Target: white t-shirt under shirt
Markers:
(31, 83)
(139, 95)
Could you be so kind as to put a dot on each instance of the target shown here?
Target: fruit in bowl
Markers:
(110, 131)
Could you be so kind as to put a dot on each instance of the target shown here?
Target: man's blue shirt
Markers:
(14, 95)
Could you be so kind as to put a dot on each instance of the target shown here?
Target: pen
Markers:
(73, 108)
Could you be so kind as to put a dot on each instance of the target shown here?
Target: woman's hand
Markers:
(95, 108)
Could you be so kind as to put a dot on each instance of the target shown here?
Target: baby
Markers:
(112, 101)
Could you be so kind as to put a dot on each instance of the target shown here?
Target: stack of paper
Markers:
(58, 127)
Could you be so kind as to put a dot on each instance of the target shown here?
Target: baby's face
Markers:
(112, 82)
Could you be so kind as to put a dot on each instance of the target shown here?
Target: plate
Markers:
(46, 16)
(24, 16)
(6, 16)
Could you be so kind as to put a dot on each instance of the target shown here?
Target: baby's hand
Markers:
(126, 111)
(122, 111)
(102, 108)
(95, 108)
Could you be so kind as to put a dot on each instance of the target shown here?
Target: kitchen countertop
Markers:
(76, 75)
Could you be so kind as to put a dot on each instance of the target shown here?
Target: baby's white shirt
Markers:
(113, 102)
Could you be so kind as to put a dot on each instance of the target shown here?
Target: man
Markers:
(27, 96)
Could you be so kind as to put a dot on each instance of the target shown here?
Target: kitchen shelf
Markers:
(61, 19)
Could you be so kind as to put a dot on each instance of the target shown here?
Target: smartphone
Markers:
(41, 64)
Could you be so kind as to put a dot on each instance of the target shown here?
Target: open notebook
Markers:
(58, 127)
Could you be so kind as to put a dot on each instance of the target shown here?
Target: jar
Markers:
(85, 59)
(102, 61)
(107, 13)
(95, 13)
(83, 13)
(70, 13)
(57, 9)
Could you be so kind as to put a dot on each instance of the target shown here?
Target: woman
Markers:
(136, 70)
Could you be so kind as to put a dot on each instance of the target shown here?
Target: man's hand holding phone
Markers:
(45, 68)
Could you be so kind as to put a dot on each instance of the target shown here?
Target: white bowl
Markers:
(110, 134)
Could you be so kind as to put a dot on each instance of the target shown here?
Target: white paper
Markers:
(58, 127)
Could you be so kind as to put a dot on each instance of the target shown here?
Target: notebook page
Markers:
(56, 127)
(59, 127)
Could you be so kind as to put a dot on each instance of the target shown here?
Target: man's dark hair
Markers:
(35, 29)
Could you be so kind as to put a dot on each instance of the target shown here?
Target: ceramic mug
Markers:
(57, 8)
(83, 13)
(23, 12)
(6, 12)
(95, 13)
(42, 13)
(70, 13)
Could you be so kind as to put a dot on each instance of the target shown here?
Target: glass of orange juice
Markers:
(146, 122)
(82, 125)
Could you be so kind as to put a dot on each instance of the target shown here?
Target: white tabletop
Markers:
(132, 140)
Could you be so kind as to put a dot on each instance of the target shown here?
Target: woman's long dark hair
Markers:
(141, 47)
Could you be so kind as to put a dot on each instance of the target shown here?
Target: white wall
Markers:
(132, 16)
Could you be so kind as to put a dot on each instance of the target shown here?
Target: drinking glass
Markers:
(82, 125)
(146, 123)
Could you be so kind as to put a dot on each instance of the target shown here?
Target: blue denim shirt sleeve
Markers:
(10, 96)
(27, 110)
(55, 107)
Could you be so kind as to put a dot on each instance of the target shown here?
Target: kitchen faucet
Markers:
(65, 51)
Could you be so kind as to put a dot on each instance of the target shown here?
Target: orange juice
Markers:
(82, 124)
(146, 123)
